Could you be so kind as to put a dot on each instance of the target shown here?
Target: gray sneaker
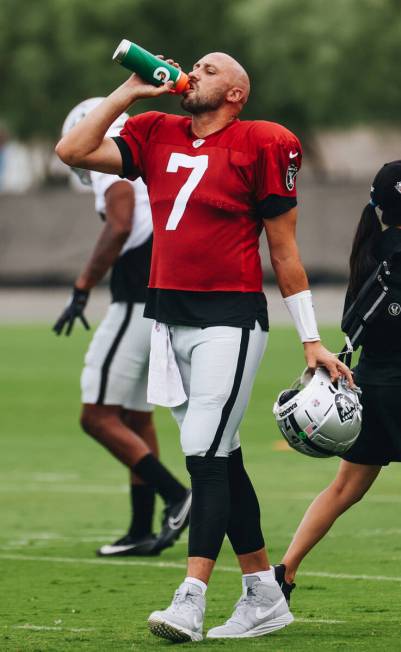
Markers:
(261, 610)
(183, 619)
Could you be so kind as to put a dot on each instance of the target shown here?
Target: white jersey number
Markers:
(199, 166)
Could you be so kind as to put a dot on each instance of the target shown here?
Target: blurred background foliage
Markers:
(313, 63)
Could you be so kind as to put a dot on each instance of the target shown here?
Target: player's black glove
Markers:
(73, 310)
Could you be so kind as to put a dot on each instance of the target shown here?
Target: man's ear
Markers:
(235, 95)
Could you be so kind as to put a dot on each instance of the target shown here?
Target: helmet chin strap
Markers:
(303, 380)
(346, 352)
(345, 356)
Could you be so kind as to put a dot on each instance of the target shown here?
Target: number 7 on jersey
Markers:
(199, 166)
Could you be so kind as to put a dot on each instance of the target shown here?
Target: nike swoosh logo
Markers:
(108, 550)
(260, 613)
(175, 522)
(293, 154)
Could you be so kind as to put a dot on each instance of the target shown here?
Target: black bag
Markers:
(369, 303)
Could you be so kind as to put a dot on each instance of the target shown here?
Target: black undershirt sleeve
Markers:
(274, 205)
(129, 169)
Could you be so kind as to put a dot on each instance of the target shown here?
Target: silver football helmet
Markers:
(76, 115)
(317, 417)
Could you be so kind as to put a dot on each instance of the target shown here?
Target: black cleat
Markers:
(175, 520)
(279, 571)
(130, 546)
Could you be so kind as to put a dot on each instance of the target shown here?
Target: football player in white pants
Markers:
(114, 380)
(214, 183)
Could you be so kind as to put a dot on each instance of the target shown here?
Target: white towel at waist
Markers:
(164, 381)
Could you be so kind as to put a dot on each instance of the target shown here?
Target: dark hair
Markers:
(362, 259)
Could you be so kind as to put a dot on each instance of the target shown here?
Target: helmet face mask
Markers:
(320, 419)
(76, 115)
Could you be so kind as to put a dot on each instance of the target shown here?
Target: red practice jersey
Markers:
(209, 196)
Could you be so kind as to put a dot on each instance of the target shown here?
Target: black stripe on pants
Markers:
(111, 353)
(228, 406)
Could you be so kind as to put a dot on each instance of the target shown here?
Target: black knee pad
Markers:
(243, 527)
(210, 505)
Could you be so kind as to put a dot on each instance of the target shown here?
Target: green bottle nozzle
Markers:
(152, 69)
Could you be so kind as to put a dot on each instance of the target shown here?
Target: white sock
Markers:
(194, 580)
(264, 576)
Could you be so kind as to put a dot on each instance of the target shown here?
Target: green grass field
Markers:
(62, 496)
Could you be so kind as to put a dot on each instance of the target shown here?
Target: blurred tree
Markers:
(59, 51)
(312, 63)
(323, 64)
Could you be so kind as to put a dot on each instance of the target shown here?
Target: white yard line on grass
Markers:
(369, 498)
(80, 536)
(347, 576)
(79, 630)
(73, 488)
(40, 628)
(319, 621)
(181, 566)
(26, 538)
(377, 532)
(47, 487)
(54, 477)
(99, 562)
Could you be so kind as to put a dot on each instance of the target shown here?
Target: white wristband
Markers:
(300, 307)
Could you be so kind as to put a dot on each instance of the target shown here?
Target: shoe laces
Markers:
(184, 600)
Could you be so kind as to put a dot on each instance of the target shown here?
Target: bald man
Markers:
(214, 183)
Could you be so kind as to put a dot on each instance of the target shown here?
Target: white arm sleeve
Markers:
(300, 307)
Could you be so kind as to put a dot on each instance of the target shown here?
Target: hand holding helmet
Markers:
(317, 355)
(319, 418)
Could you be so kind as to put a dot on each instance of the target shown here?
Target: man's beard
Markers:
(197, 105)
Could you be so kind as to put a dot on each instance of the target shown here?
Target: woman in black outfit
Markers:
(378, 372)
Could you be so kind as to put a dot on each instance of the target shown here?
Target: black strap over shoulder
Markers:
(369, 302)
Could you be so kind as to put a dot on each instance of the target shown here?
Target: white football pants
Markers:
(117, 361)
(218, 366)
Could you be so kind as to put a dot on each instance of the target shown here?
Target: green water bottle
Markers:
(150, 68)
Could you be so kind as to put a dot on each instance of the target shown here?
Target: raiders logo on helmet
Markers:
(345, 408)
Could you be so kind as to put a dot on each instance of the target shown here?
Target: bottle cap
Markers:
(121, 50)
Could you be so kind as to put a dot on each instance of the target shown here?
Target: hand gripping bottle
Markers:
(150, 68)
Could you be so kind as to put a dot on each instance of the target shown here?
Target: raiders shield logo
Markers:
(292, 171)
(345, 408)
(398, 187)
(394, 309)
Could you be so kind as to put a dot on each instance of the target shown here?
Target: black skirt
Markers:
(379, 441)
